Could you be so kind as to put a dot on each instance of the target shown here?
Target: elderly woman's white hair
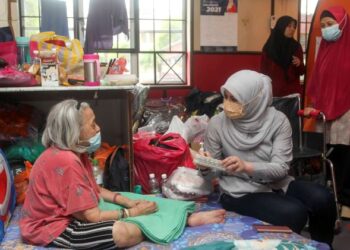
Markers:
(64, 124)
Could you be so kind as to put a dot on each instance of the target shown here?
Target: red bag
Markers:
(159, 154)
(8, 52)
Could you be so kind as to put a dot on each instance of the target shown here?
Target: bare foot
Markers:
(206, 217)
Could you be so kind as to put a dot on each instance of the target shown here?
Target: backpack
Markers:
(116, 176)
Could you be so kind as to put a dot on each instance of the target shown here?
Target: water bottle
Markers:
(23, 50)
(91, 69)
(163, 181)
(153, 184)
(138, 189)
(97, 172)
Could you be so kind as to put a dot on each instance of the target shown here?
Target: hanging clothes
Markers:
(106, 18)
(54, 17)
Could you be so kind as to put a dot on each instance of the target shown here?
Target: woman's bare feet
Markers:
(206, 217)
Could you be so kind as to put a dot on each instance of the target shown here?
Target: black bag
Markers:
(116, 173)
(203, 103)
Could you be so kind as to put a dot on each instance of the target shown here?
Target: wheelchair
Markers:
(308, 146)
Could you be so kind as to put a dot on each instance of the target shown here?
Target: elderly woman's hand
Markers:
(143, 208)
(132, 203)
(234, 164)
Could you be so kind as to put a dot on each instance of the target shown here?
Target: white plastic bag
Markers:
(192, 130)
(186, 184)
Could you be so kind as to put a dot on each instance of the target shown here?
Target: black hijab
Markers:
(279, 47)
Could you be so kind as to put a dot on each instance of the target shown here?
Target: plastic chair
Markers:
(308, 145)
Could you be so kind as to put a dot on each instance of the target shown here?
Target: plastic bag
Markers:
(159, 154)
(21, 179)
(70, 52)
(186, 184)
(103, 153)
(11, 77)
(192, 130)
(28, 150)
(159, 112)
(140, 93)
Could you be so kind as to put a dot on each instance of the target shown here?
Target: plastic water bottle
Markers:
(138, 189)
(23, 50)
(163, 181)
(97, 172)
(153, 184)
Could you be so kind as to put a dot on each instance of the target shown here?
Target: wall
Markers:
(286, 7)
(210, 71)
(253, 24)
(253, 29)
(254, 21)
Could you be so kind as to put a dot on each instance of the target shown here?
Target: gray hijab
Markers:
(254, 91)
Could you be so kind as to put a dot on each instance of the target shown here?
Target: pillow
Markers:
(7, 194)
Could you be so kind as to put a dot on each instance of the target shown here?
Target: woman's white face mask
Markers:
(331, 33)
(233, 110)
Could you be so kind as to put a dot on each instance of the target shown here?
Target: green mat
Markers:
(162, 227)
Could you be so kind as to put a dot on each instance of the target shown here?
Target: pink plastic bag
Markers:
(8, 52)
(11, 77)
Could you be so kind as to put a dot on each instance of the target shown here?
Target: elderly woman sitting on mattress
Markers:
(61, 206)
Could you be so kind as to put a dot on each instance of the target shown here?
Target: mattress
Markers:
(237, 229)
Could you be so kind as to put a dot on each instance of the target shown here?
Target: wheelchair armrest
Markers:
(315, 113)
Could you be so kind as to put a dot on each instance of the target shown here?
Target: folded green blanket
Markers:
(163, 226)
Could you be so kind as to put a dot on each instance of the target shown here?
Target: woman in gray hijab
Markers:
(254, 143)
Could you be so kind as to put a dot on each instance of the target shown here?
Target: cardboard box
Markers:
(49, 72)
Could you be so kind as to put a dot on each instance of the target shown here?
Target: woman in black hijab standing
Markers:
(282, 58)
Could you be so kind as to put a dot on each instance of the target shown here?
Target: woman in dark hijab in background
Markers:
(282, 58)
